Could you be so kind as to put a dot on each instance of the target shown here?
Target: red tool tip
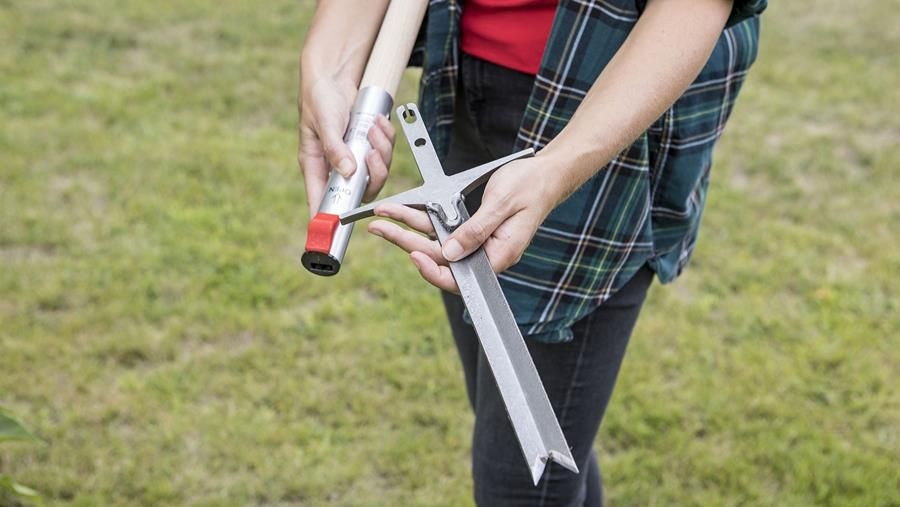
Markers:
(321, 232)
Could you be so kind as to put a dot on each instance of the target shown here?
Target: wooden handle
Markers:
(394, 44)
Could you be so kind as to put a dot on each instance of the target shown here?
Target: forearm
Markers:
(340, 38)
(664, 53)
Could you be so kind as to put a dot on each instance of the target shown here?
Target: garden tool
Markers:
(443, 197)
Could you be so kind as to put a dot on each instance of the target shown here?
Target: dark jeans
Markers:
(579, 375)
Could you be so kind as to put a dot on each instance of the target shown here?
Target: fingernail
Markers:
(452, 250)
(345, 167)
(376, 232)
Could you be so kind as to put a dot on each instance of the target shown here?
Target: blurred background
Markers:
(159, 336)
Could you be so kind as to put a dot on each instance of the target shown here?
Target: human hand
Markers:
(324, 104)
(516, 201)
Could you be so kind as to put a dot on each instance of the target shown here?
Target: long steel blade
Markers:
(527, 405)
(520, 386)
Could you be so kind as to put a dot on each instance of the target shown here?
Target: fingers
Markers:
(314, 167)
(381, 137)
(407, 240)
(474, 232)
(337, 153)
(321, 149)
(387, 126)
(413, 218)
(378, 173)
(425, 253)
(378, 159)
(437, 275)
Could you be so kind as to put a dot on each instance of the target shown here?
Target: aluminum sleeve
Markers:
(343, 194)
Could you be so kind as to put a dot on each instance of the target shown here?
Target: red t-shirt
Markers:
(511, 33)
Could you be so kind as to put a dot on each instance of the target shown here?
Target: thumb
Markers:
(473, 233)
(336, 151)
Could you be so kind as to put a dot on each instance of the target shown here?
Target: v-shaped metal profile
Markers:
(527, 405)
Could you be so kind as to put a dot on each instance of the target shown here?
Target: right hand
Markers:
(324, 105)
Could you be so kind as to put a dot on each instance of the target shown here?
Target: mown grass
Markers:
(157, 331)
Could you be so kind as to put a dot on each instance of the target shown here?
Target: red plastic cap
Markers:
(321, 232)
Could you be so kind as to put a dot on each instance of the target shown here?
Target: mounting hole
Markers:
(419, 142)
(409, 116)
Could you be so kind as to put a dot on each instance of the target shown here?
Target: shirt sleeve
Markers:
(742, 10)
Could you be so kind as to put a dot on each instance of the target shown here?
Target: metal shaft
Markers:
(526, 402)
(327, 239)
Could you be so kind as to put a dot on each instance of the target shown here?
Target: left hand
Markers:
(516, 201)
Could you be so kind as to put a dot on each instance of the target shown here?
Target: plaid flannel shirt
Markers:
(645, 206)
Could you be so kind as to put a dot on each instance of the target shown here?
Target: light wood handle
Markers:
(394, 44)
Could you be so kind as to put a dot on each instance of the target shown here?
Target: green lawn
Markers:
(156, 328)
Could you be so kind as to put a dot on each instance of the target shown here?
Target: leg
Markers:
(593, 483)
(579, 377)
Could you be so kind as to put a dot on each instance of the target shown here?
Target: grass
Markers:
(157, 331)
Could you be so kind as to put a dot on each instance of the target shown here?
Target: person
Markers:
(624, 101)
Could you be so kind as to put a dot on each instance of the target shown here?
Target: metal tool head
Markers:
(524, 397)
(438, 189)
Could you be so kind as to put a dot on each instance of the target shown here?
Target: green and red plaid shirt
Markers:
(645, 206)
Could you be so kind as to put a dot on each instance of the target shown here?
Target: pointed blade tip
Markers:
(537, 469)
(564, 459)
(540, 463)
